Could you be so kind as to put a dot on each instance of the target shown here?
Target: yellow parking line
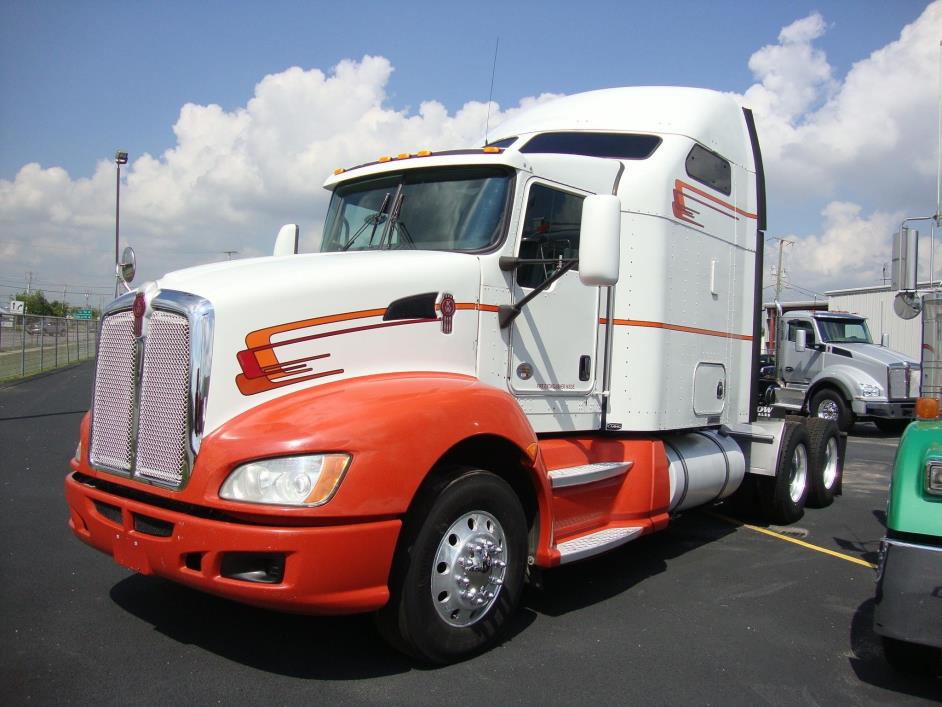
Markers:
(802, 543)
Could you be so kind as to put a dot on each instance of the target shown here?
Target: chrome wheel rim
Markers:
(828, 410)
(469, 568)
(831, 457)
(799, 480)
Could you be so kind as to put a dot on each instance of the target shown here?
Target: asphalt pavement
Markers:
(710, 611)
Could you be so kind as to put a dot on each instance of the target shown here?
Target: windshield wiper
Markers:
(394, 221)
(373, 220)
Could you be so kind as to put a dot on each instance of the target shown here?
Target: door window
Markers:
(794, 326)
(550, 232)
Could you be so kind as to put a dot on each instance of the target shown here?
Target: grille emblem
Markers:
(448, 309)
(138, 309)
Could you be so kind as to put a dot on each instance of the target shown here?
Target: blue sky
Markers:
(845, 94)
(80, 79)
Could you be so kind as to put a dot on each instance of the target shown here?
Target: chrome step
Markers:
(587, 473)
(596, 543)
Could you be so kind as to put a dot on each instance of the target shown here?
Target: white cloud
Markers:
(231, 179)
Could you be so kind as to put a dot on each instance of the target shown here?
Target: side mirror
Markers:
(127, 266)
(885, 340)
(801, 340)
(286, 242)
(600, 240)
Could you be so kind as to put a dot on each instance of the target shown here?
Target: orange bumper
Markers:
(333, 569)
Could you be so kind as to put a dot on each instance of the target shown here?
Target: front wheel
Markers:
(459, 569)
(830, 405)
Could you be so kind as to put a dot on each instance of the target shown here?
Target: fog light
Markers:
(309, 480)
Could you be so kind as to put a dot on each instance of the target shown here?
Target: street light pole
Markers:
(120, 158)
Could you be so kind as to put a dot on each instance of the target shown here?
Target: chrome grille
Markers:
(150, 393)
(165, 386)
(897, 382)
(113, 418)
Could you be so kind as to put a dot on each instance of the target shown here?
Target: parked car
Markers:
(49, 327)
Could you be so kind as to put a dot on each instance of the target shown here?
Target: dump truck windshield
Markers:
(457, 209)
(845, 331)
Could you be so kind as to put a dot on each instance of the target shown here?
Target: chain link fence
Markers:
(31, 344)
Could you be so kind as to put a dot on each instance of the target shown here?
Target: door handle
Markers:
(789, 369)
(585, 363)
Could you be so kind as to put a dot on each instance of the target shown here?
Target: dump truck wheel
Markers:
(830, 405)
(826, 461)
(459, 569)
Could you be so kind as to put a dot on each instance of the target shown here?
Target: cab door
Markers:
(554, 338)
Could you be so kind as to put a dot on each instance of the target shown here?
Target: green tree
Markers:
(36, 303)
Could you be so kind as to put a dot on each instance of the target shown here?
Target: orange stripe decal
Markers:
(678, 327)
(262, 370)
(685, 213)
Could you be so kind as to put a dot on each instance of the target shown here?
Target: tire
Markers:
(911, 658)
(830, 404)
(459, 568)
(782, 497)
(891, 427)
(826, 461)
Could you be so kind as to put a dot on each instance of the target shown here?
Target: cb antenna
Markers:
(490, 94)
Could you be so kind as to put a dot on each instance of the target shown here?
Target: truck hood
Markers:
(876, 354)
(287, 323)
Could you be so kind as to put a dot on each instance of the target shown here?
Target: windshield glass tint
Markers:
(436, 209)
(848, 331)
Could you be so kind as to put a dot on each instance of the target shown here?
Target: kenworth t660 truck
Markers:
(501, 360)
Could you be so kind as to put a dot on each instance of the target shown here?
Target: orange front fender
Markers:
(396, 427)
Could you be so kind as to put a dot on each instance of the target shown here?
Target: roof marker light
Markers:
(423, 153)
(339, 170)
(384, 158)
(403, 156)
(491, 150)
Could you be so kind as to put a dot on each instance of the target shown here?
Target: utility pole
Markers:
(778, 274)
(29, 282)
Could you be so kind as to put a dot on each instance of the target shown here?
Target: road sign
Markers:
(17, 307)
(83, 314)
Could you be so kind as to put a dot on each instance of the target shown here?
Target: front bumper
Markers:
(328, 569)
(909, 593)
(902, 410)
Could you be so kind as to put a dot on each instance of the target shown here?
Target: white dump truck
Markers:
(827, 365)
(501, 360)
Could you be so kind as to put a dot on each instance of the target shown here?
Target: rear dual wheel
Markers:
(459, 568)
(826, 457)
(783, 496)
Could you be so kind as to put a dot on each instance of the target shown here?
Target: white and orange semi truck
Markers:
(500, 360)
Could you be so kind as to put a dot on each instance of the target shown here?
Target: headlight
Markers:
(868, 390)
(309, 480)
(934, 477)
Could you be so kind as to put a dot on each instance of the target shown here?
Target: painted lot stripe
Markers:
(796, 541)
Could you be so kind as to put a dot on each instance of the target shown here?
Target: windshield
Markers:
(457, 209)
(844, 331)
